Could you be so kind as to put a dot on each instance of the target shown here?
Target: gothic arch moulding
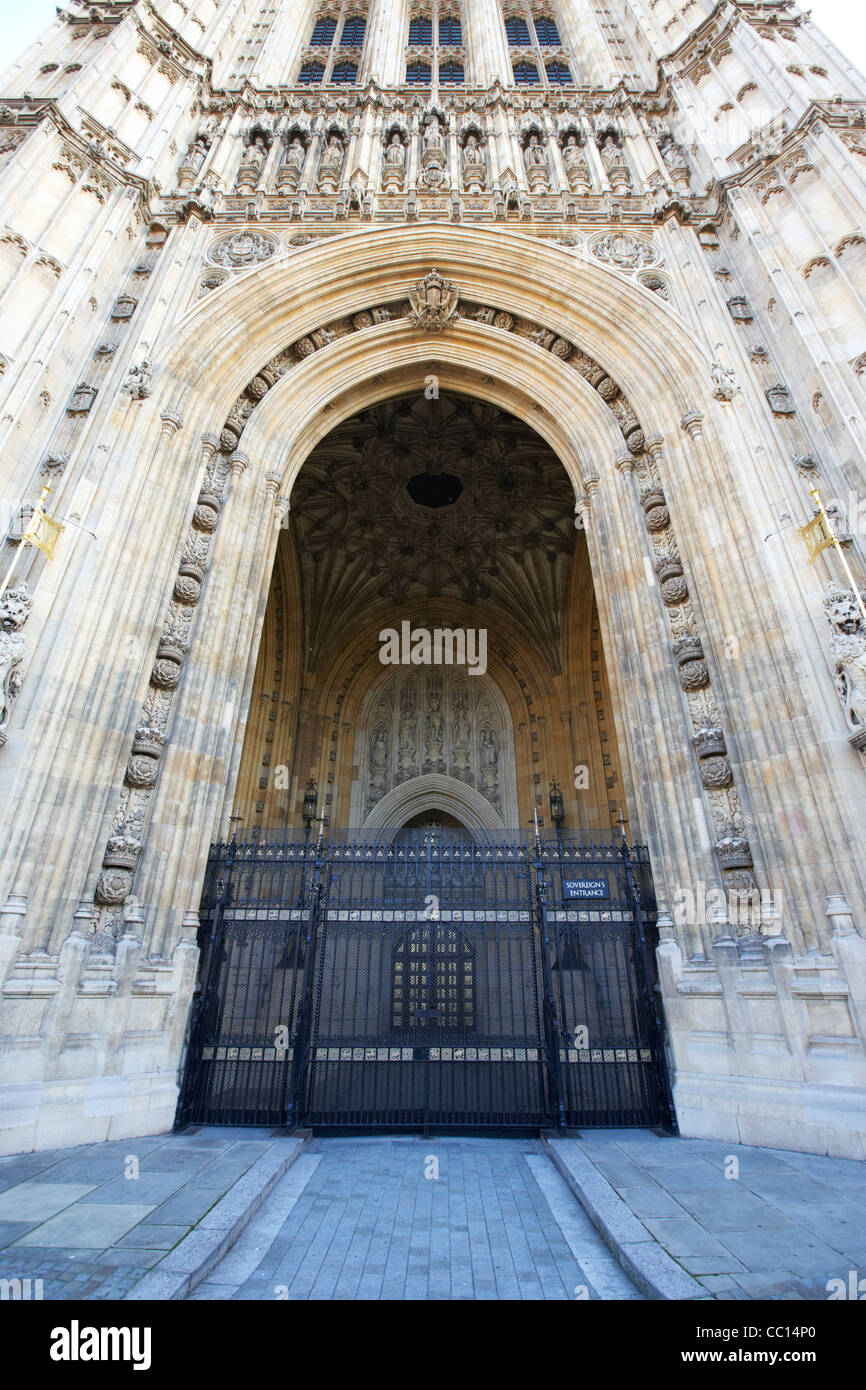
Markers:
(434, 792)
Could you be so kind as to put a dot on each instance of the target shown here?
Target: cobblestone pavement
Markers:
(80, 1220)
(747, 1223)
(414, 1218)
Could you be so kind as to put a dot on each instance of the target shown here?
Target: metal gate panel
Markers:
(410, 982)
(255, 937)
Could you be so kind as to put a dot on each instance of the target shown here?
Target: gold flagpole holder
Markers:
(834, 540)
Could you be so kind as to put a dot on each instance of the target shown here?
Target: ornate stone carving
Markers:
(141, 771)
(433, 302)
(780, 400)
(331, 163)
(694, 675)
(709, 742)
(253, 161)
(15, 607)
(293, 161)
(622, 250)
(82, 399)
(242, 249)
(848, 650)
(733, 850)
(138, 379)
(725, 384)
(576, 166)
(472, 164)
(434, 173)
(394, 162)
(715, 773)
(614, 162)
(535, 159)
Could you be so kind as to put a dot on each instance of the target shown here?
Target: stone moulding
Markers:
(440, 307)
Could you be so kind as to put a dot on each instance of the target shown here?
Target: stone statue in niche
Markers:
(253, 162)
(193, 160)
(433, 170)
(434, 735)
(331, 166)
(293, 165)
(472, 160)
(489, 770)
(15, 609)
(406, 747)
(537, 168)
(379, 749)
(394, 167)
(676, 161)
(462, 737)
(613, 159)
(576, 167)
(848, 650)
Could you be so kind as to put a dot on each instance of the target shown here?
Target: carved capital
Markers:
(272, 483)
(624, 464)
(693, 422)
(239, 463)
(654, 444)
(171, 422)
(209, 445)
(282, 507)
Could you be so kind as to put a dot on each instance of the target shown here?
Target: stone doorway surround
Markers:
(766, 1032)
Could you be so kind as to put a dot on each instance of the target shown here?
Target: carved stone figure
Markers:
(193, 160)
(472, 159)
(576, 167)
(725, 384)
(676, 160)
(433, 132)
(15, 607)
(138, 379)
(848, 650)
(613, 158)
(406, 751)
(537, 169)
(394, 169)
(489, 772)
(293, 165)
(331, 166)
(434, 735)
(378, 763)
(252, 163)
(433, 302)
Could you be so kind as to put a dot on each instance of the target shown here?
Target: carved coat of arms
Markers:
(433, 303)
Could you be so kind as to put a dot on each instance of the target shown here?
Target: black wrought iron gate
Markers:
(426, 982)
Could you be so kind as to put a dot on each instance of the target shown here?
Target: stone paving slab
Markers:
(772, 1225)
(93, 1222)
(413, 1219)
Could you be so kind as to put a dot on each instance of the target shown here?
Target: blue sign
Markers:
(585, 888)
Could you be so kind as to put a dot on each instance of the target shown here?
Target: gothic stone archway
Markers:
(664, 611)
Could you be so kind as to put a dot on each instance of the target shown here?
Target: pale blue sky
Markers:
(844, 21)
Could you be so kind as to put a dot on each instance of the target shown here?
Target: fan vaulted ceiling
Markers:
(420, 499)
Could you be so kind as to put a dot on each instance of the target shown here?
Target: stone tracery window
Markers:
(323, 60)
(537, 56)
(434, 50)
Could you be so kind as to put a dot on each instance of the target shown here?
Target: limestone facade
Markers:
(232, 231)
